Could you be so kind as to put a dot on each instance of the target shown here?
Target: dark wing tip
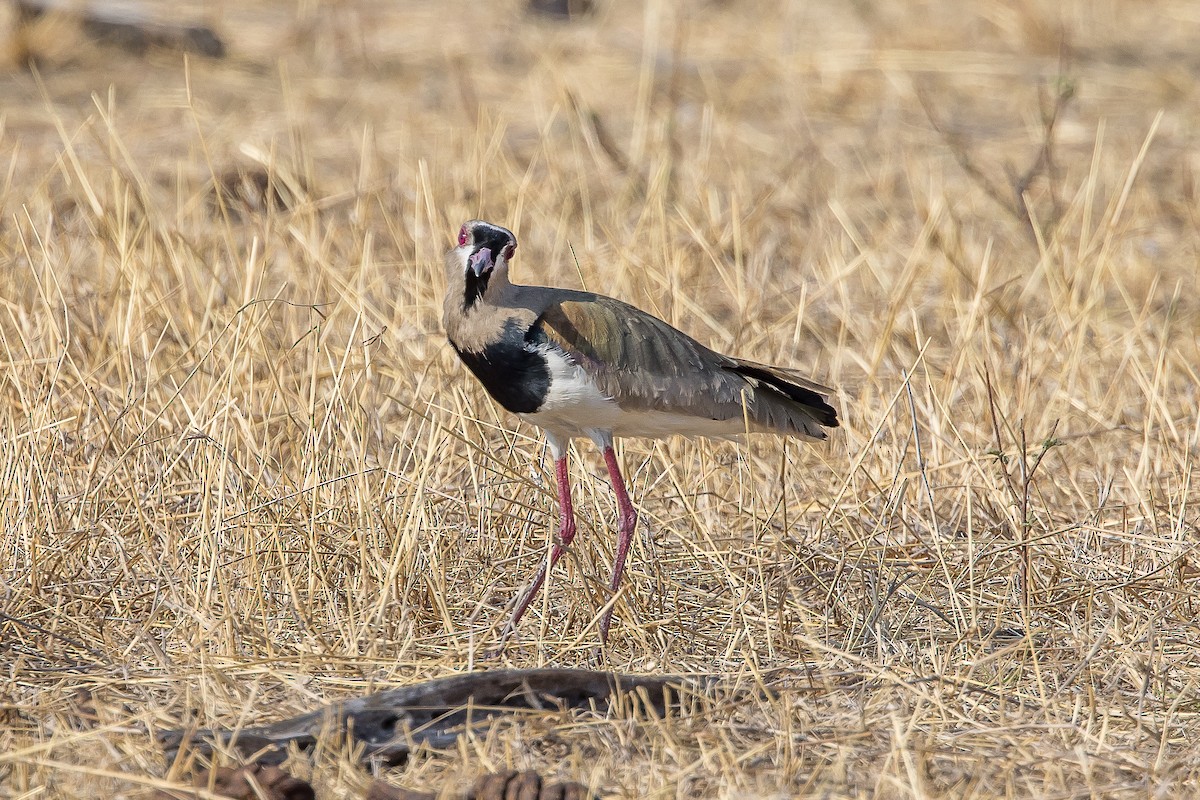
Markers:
(814, 403)
(826, 414)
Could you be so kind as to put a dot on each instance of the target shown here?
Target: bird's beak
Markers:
(481, 261)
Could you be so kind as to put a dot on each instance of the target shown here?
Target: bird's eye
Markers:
(508, 251)
(462, 235)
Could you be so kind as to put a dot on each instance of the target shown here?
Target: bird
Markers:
(578, 364)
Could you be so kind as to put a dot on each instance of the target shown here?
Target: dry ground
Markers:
(242, 474)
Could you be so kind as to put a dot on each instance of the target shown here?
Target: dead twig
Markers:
(1013, 198)
(1021, 494)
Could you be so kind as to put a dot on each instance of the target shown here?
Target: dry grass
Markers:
(241, 474)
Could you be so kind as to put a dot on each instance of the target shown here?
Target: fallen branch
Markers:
(391, 723)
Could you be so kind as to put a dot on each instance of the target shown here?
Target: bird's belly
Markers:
(645, 423)
(660, 424)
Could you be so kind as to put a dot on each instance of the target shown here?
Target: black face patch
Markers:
(517, 377)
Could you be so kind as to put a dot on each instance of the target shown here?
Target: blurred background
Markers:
(861, 101)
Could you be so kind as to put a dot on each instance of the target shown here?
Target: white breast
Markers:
(574, 402)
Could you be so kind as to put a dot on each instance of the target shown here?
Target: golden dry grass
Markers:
(241, 474)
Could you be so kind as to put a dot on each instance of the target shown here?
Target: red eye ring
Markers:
(462, 235)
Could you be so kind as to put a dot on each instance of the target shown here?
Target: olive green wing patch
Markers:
(641, 361)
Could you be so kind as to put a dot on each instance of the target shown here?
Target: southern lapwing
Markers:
(582, 364)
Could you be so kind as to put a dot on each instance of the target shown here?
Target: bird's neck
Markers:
(472, 304)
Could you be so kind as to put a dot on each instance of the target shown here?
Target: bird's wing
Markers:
(643, 363)
(638, 360)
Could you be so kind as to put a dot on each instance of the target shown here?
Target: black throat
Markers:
(476, 285)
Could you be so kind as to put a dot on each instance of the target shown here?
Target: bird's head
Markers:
(481, 257)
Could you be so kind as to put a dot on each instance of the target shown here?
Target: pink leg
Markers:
(566, 532)
(625, 524)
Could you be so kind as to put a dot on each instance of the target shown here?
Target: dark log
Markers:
(561, 9)
(393, 722)
(128, 26)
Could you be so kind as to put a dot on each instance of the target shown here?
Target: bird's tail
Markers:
(786, 401)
